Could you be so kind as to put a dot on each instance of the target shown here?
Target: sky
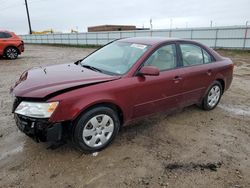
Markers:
(64, 15)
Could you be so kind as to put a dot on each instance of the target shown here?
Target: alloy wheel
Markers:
(11, 53)
(213, 96)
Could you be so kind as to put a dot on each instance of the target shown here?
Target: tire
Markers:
(213, 96)
(96, 129)
(11, 53)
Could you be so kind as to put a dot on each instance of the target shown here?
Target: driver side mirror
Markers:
(149, 71)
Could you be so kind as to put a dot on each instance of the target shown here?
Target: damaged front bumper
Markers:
(41, 130)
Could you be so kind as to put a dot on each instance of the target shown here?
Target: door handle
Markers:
(209, 72)
(177, 79)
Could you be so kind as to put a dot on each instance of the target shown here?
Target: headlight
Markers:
(36, 109)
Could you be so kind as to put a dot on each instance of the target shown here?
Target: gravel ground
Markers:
(189, 148)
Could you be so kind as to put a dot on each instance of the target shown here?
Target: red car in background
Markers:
(88, 101)
(11, 45)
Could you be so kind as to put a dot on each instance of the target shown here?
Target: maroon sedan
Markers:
(88, 101)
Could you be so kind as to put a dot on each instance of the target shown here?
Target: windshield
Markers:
(115, 58)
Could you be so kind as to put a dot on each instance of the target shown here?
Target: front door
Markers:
(158, 93)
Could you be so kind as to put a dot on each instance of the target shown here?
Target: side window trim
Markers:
(202, 51)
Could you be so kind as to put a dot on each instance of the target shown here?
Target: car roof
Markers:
(154, 41)
(150, 40)
(5, 31)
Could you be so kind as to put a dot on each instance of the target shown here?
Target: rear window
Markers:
(5, 35)
(207, 57)
(2, 35)
(194, 55)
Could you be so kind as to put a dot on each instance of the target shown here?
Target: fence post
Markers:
(86, 38)
(61, 38)
(96, 38)
(245, 38)
(191, 34)
(77, 39)
(216, 37)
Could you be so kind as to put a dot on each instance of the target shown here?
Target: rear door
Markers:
(197, 72)
(158, 93)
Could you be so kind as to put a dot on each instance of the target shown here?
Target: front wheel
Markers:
(213, 96)
(11, 53)
(96, 129)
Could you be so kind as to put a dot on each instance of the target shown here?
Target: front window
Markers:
(115, 58)
(163, 58)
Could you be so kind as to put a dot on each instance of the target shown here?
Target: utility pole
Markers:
(211, 23)
(28, 15)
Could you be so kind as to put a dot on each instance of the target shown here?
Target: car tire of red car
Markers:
(11, 53)
(96, 129)
(213, 96)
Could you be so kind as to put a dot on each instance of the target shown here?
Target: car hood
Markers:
(39, 82)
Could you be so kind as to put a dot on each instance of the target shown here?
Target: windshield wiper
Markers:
(91, 68)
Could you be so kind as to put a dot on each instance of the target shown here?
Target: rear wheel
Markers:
(96, 129)
(11, 53)
(213, 96)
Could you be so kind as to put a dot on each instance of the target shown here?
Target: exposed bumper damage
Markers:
(41, 130)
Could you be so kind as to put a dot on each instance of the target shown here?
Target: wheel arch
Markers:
(109, 104)
(222, 82)
(218, 79)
